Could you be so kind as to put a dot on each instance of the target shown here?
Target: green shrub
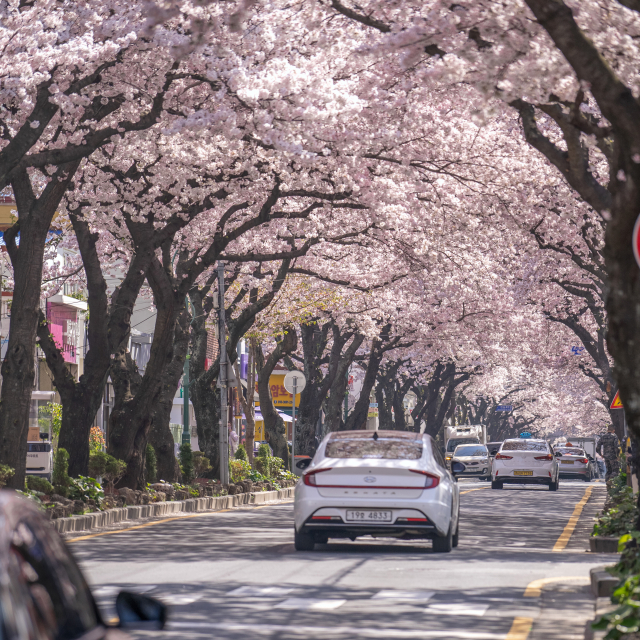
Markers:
(239, 470)
(269, 465)
(97, 463)
(619, 519)
(151, 464)
(61, 480)
(36, 483)
(264, 451)
(83, 488)
(201, 464)
(241, 453)
(186, 463)
(114, 469)
(6, 472)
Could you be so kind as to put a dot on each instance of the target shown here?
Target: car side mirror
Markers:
(457, 468)
(136, 611)
(303, 464)
(558, 454)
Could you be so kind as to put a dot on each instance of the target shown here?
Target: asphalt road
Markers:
(235, 575)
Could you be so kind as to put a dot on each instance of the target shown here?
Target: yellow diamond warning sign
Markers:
(616, 403)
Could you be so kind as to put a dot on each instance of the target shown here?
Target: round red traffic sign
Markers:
(635, 240)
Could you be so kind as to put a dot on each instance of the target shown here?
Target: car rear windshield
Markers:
(382, 448)
(471, 450)
(571, 452)
(39, 447)
(524, 445)
(452, 444)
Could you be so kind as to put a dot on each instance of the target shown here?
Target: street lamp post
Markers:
(223, 380)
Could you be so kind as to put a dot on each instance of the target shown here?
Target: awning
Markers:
(259, 417)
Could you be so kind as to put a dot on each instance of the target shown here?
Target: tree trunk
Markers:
(130, 420)
(27, 258)
(160, 436)
(358, 417)
(273, 424)
(108, 326)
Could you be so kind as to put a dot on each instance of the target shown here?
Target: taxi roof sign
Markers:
(526, 434)
(616, 403)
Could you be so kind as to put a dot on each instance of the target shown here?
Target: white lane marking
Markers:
(177, 599)
(457, 608)
(450, 634)
(260, 591)
(415, 596)
(310, 603)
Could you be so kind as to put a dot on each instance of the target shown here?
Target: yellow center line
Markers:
(520, 629)
(470, 490)
(565, 536)
(151, 524)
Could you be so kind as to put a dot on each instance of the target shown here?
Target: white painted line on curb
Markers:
(310, 603)
(328, 632)
(414, 596)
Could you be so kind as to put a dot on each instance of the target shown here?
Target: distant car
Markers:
(379, 483)
(456, 442)
(43, 594)
(39, 459)
(525, 461)
(574, 463)
(476, 461)
(301, 463)
(493, 448)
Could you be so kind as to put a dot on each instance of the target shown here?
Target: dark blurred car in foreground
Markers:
(43, 595)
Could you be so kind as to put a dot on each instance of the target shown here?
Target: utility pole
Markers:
(186, 434)
(223, 380)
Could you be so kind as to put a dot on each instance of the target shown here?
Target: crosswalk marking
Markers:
(457, 608)
(260, 591)
(310, 603)
(178, 599)
(394, 594)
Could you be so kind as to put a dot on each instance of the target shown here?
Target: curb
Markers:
(603, 584)
(110, 517)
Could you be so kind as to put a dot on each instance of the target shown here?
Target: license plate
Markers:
(566, 461)
(368, 516)
(523, 473)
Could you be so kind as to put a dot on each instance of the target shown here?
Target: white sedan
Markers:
(525, 461)
(379, 483)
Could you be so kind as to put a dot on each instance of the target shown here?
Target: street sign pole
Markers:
(294, 383)
(224, 418)
(293, 425)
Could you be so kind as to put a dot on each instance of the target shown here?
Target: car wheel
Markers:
(496, 485)
(553, 486)
(456, 535)
(443, 544)
(303, 541)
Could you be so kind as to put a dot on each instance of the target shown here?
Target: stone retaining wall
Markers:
(110, 517)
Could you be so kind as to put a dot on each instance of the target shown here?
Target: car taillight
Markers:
(501, 456)
(309, 478)
(547, 457)
(583, 460)
(431, 480)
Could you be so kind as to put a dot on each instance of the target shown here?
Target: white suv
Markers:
(525, 461)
